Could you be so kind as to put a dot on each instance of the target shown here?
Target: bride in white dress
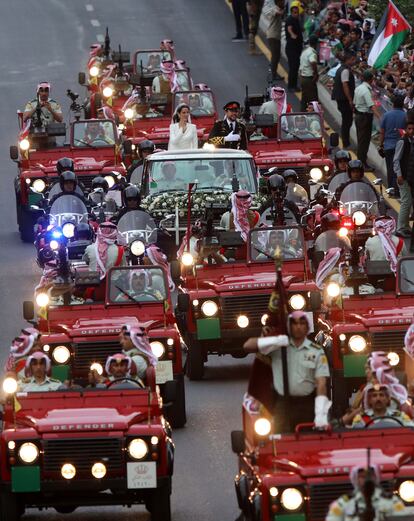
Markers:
(183, 134)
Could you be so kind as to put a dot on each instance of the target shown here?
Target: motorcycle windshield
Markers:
(138, 225)
(337, 181)
(56, 190)
(328, 239)
(359, 196)
(297, 194)
(265, 243)
(68, 208)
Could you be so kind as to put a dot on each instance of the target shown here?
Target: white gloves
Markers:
(268, 344)
(322, 406)
(232, 137)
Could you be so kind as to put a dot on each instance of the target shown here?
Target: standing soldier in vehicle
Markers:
(229, 132)
(44, 107)
(368, 499)
(300, 373)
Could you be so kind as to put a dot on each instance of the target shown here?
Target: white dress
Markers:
(180, 140)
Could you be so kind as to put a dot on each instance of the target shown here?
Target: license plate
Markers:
(142, 475)
(164, 371)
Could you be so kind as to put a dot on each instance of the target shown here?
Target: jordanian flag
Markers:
(391, 33)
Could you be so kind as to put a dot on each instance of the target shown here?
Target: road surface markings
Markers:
(89, 7)
(95, 23)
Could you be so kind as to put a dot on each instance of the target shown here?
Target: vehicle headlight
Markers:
(326, 168)
(264, 319)
(94, 71)
(333, 289)
(242, 321)
(42, 299)
(170, 341)
(394, 358)
(406, 491)
(297, 302)
(262, 426)
(96, 366)
(61, 354)
(9, 385)
(209, 308)
(187, 259)
(98, 470)
(291, 499)
(24, 144)
(157, 348)
(54, 244)
(107, 92)
(28, 452)
(137, 448)
(343, 232)
(357, 343)
(137, 248)
(273, 491)
(359, 218)
(68, 471)
(68, 230)
(316, 174)
(110, 180)
(38, 185)
(129, 113)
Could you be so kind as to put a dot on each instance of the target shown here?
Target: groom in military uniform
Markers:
(229, 132)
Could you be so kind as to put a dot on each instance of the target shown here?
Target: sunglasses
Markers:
(43, 89)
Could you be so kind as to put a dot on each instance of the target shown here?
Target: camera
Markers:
(72, 95)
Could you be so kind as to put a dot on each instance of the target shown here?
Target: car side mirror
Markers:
(14, 153)
(315, 300)
(238, 442)
(169, 394)
(28, 310)
(82, 78)
(128, 147)
(183, 302)
(334, 139)
(175, 269)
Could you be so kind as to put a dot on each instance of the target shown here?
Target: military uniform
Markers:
(46, 116)
(30, 385)
(361, 420)
(349, 508)
(304, 364)
(222, 128)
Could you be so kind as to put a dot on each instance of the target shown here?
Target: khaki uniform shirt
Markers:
(48, 384)
(307, 58)
(47, 116)
(363, 99)
(269, 107)
(376, 251)
(90, 257)
(140, 362)
(348, 508)
(305, 363)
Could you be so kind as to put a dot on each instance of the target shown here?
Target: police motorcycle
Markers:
(139, 230)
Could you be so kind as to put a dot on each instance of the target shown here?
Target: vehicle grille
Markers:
(321, 496)
(82, 453)
(88, 352)
(389, 341)
(253, 306)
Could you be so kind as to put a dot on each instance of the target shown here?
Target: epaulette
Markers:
(25, 380)
(315, 345)
(55, 380)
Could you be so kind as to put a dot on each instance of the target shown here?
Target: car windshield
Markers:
(151, 61)
(406, 276)
(68, 210)
(94, 133)
(137, 225)
(300, 126)
(139, 284)
(265, 242)
(200, 103)
(183, 80)
(359, 196)
(176, 174)
(157, 106)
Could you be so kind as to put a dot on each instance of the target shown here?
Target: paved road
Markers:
(48, 40)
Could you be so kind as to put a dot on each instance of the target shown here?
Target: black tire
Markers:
(195, 361)
(160, 504)
(9, 509)
(26, 226)
(176, 413)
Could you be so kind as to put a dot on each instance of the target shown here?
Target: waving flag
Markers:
(391, 33)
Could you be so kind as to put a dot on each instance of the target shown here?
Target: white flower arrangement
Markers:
(158, 205)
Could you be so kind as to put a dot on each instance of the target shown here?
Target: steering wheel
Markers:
(374, 420)
(151, 295)
(99, 142)
(125, 379)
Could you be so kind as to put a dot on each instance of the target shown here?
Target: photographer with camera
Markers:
(43, 110)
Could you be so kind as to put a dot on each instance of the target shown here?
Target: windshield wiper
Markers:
(408, 280)
(128, 295)
(293, 134)
(85, 143)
